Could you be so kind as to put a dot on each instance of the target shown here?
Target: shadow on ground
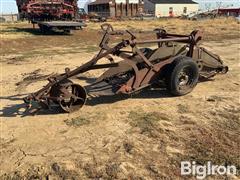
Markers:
(14, 110)
(36, 31)
(88, 80)
(144, 94)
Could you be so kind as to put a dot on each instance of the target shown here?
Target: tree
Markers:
(219, 4)
(208, 6)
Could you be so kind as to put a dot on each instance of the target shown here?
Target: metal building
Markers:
(229, 11)
(116, 8)
(170, 8)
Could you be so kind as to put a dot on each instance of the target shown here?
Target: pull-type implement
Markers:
(177, 61)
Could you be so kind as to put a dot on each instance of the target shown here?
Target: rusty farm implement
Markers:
(177, 61)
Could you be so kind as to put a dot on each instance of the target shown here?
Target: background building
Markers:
(229, 11)
(9, 17)
(116, 8)
(170, 8)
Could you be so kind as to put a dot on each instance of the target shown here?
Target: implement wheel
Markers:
(183, 76)
(69, 96)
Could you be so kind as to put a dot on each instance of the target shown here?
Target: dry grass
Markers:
(147, 122)
(9, 31)
(219, 28)
(212, 28)
(76, 122)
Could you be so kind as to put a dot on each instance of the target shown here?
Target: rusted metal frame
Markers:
(195, 37)
(127, 52)
(151, 73)
(104, 46)
(110, 58)
(40, 94)
(210, 54)
(180, 39)
(151, 67)
(92, 62)
(133, 64)
(104, 41)
(191, 47)
(122, 32)
(81, 69)
(143, 76)
(102, 66)
(105, 38)
(137, 82)
(149, 64)
(160, 33)
(146, 75)
(163, 36)
(176, 35)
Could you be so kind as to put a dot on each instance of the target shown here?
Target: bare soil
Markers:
(143, 136)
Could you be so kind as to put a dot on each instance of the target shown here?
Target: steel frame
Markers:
(142, 77)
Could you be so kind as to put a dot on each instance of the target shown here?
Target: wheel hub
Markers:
(69, 96)
(183, 79)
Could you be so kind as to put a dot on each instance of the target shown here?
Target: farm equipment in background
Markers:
(94, 17)
(44, 10)
(50, 14)
(82, 14)
(200, 15)
(176, 61)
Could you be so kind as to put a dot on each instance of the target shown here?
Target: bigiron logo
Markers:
(202, 171)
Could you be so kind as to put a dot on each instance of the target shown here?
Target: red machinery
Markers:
(42, 10)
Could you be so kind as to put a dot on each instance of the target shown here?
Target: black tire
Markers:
(182, 76)
(67, 31)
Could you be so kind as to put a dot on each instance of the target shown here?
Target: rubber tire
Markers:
(176, 68)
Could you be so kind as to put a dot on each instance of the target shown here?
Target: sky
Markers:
(9, 6)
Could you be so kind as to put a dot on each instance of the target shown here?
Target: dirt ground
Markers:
(143, 136)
